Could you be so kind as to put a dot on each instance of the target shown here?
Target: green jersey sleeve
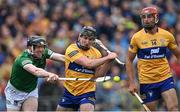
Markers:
(24, 61)
(48, 53)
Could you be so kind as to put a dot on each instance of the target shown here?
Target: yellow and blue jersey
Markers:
(74, 70)
(151, 50)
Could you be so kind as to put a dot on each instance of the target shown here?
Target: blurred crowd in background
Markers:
(60, 22)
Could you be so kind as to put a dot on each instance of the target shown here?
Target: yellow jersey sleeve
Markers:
(172, 43)
(133, 45)
(72, 53)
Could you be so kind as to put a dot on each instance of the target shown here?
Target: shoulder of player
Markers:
(138, 34)
(73, 45)
(25, 54)
(165, 32)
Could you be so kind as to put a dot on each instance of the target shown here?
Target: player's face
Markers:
(148, 21)
(86, 41)
(38, 51)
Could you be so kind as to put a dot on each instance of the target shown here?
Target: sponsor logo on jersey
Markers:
(152, 53)
(79, 68)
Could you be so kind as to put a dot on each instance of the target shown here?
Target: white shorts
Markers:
(15, 98)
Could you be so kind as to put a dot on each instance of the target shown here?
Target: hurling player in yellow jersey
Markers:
(82, 60)
(155, 78)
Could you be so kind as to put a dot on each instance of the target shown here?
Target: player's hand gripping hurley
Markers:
(108, 51)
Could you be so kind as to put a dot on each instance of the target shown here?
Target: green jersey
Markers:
(22, 79)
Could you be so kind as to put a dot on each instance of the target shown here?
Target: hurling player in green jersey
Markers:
(21, 91)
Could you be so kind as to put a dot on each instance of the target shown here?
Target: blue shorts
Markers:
(152, 92)
(71, 101)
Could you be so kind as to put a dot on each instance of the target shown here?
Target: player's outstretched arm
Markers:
(39, 72)
(57, 57)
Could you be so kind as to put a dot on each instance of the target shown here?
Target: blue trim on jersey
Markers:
(79, 68)
(68, 94)
(71, 101)
(152, 92)
(152, 53)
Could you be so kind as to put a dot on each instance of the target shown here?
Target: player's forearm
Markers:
(130, 71)
(93, 63)
(58, 57)
(42, 73)
(103, 69)
(129, 66)
(39, 72)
